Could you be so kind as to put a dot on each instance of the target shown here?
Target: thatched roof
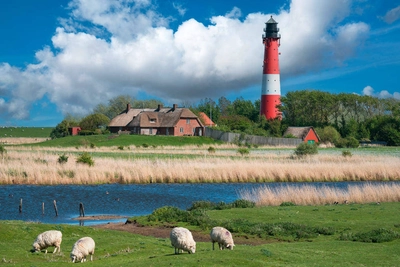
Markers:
(300, 132)
(124, 118)
(166, 117)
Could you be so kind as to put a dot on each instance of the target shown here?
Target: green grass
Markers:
(25, 131)
(127, 140)
(114, 248)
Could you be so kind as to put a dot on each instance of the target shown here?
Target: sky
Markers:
(67, 56)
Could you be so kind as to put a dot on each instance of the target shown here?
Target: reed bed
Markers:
(36, 166)
(312, 195)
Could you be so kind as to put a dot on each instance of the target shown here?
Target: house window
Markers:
(181, 129)
(152, 120)
(151, 131)
(187, 121)
(167, 131)
(194, 131)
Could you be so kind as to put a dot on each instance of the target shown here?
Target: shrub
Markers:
(373, 236)
(62, 159)
(346, 153)
(168, 214)
(92, 145)
(211, 150)
(121, 147)
(243, 203)
(287, 204)
(2, 150)
(243, 151)
(348, 142)
(145, 145)
(85, 158)
(304, 149)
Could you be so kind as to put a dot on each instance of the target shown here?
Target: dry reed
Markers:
(27, 165)
(312, 195)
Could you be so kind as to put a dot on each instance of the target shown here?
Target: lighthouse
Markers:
(271, 84)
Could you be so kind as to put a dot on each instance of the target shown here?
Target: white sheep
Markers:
(82, 248)
(182, 239)
(223, 237)
(52, 238)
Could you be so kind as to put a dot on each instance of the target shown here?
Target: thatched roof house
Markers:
(161, 121)
(307, 134)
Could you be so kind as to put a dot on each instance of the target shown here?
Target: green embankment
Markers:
(115, 248)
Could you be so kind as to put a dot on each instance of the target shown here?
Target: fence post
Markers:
(20, 205)
(55, 207)
(81, 210)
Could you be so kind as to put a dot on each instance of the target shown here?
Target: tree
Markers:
(115, 106)
(94, 121)
(61, 130)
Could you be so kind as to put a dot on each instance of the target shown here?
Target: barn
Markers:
(307, 134)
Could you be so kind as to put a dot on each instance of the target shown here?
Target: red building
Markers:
(74, 130)
(307, 134)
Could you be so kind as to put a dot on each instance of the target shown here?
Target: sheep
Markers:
(182, 239)
(52, 238)
(82, 248)
(223, 237)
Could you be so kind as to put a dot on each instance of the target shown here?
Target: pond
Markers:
(115, 199)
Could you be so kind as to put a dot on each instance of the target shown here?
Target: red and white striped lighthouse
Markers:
(271, 84)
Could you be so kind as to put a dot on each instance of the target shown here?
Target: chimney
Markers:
(128, 107)
(159, 107)
(175, 106)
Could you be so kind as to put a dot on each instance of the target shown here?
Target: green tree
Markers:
(61, 129)
(94, 121)
(114, 107)
(328, 134)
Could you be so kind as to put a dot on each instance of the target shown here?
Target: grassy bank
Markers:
(40, 132)
(114, 248)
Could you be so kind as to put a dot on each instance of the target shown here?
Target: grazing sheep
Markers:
(182, 239)
(82, 248)
(47, 239)
(223, 237)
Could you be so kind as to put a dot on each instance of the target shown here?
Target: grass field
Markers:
(114, 248)
(41, 132)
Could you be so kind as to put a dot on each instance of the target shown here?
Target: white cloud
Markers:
(181, 10)
(84, 68)
(392, 15)
(369, 91)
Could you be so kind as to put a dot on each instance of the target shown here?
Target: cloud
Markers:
(181, 10)
(392, 15)
(369, 91)
(107, 48)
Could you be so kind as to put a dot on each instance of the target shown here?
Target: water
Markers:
(116, 199)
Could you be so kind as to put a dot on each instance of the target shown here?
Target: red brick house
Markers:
(161, 121)
(307, 134)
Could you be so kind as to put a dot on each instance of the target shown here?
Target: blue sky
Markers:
(67, 56)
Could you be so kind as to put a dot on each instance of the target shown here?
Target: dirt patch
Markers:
(99, 218)
(163, 232)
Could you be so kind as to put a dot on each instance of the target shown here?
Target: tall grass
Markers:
(311, 195)
(40, 166)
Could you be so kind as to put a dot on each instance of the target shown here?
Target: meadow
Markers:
(358, 236)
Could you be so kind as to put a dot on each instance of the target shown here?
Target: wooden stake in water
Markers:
(20, 205)
(55, 207)
(42, 208)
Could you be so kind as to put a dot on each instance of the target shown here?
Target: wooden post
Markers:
(55, 207)
(81, 210)
(42, 208)
(20, 205)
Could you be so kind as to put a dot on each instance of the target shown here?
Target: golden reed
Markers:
(28, 165)
(311, 195)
